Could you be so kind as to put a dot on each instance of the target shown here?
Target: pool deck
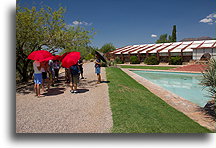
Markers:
(190, 109)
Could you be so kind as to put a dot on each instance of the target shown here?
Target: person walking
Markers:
(74, 70)
(98, 69)
(80, 64)
(51, 72)
(67, 75)
(45, 79)
(37, 77)
(56, 67)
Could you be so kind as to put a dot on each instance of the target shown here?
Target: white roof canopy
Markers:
(166, 47)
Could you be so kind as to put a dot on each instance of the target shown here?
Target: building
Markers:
(190, 50)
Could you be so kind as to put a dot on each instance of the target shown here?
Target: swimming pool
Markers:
(185, 85)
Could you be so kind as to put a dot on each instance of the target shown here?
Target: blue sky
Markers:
(127, 22)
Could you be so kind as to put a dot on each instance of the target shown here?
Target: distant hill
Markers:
(197, 39)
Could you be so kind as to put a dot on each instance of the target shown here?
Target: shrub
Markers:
(175, 61)
(134, 60)
(103, 64)
(152, 60)
(118, 61)
(209, 82)
(89, 56)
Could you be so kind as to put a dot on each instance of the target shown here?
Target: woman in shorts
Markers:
(74, 70)
(45, 79)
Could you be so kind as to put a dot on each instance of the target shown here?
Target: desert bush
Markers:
(134, 60)
(152, 60)
(175, 61)
(209, 82)
(118, 61)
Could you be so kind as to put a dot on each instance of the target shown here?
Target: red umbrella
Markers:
(47, 59)
(57, 57)
(62, 56)
(70, 59)
(39, 55)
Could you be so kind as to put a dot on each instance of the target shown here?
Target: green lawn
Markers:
(137, 110)
(147, 67)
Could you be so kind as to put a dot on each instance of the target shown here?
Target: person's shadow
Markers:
(82, 90)
(105, 81)
(54, 91)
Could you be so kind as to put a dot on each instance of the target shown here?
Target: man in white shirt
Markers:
(37, 77)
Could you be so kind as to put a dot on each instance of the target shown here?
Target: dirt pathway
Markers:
(59, 111)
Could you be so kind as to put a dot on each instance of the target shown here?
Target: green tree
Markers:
(44, 28)
(107, 48)
(173, 37)
(162, 39)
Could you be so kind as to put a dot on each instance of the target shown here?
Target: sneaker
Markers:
(72, 91)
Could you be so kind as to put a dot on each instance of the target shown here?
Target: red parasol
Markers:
(62, 56)
(39, 55)
(57, 57)
(70, 59)
(47, 59)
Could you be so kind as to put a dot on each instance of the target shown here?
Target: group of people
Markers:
(47, 72)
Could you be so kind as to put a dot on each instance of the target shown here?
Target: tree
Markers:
(162, 39)
(173, 37)
(107, 48)
(40, 29)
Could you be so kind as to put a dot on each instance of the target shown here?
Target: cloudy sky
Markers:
(125, 22)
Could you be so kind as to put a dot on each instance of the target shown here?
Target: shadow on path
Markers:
(54, 91)
(105, 81)
(82, 90)
(25, 88)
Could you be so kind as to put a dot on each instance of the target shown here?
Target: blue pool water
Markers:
(185, 85)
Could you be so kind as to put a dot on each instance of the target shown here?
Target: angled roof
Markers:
(207, 44)
(141, 48)
(182, 46)
(172, 46)
(187, 46)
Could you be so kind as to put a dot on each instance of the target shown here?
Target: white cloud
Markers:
(210, 19)
(153, 36)
(206, 20)
(81, 23)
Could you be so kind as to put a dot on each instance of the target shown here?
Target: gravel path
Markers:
(59, 111)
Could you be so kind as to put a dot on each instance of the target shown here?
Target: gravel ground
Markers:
(59, 111)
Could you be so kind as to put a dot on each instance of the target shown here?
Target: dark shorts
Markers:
(81, 69)
(44, 75)
(97, 70)
(75, 79)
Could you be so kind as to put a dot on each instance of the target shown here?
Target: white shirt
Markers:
(35, 65)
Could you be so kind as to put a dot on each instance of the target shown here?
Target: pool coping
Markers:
(190, 109)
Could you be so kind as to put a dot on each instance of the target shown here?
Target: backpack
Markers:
(74, 70)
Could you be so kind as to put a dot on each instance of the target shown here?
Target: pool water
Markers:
(185, 85)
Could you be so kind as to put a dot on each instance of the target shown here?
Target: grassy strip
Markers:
(136, 110)
(148, 67)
